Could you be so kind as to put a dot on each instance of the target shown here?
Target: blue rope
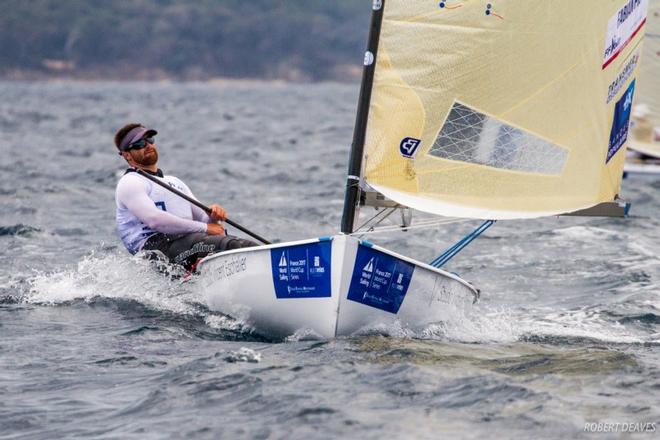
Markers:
(455, 249)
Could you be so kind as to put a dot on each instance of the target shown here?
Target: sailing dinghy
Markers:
(471, 109)
(645, 124)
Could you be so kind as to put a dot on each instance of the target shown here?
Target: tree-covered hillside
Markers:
(194, 39)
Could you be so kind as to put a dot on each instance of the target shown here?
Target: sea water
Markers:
(95, 343)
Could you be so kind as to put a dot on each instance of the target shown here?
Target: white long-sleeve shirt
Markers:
(145, 208)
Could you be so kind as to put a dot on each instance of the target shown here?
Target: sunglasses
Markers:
(138, 145)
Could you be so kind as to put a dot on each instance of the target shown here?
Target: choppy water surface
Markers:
(96, 344)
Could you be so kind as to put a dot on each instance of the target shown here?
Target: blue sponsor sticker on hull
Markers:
(379, 280)
(302, 271)
(619, 133)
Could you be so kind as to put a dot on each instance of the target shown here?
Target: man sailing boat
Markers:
(150, 218)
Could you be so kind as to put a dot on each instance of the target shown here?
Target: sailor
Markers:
(151, 218)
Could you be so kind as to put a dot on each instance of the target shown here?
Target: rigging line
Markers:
(388, 211)
(447, 221)
(455, 249)
(430, 222)
(418, 224)
(440, 221)
(378, 213)
(392, 211)
(428, 225)
(402, 228)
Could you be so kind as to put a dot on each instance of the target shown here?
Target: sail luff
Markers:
(352, 193)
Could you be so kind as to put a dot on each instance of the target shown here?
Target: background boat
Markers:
(644, 143)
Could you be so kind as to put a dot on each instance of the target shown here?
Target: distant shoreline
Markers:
(343, 74)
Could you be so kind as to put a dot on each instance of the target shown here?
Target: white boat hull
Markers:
(330, 286)
(641, 169)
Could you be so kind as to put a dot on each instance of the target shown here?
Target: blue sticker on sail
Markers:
(379, 280)
(408, 146)
(302, 271)
(619, 133)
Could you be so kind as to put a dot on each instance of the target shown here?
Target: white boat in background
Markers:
(641, 167)
(472, 110)
(644, 143)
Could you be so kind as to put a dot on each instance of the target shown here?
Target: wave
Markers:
(486, 325)
(592, 324)
(18, 229)
(130, 283)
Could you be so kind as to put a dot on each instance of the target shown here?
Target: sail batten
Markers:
(500, 109)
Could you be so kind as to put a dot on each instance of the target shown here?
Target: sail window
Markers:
(473, 137)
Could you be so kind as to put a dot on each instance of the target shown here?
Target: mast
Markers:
(352, 194)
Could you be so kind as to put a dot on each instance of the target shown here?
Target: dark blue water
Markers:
(96, 344)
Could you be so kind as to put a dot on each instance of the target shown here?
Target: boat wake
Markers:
(483, 325)
(114, 277)
(502, 325)
(591, 325)
(109, 276)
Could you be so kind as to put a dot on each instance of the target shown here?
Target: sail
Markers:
(645, 127)
(502, 109)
